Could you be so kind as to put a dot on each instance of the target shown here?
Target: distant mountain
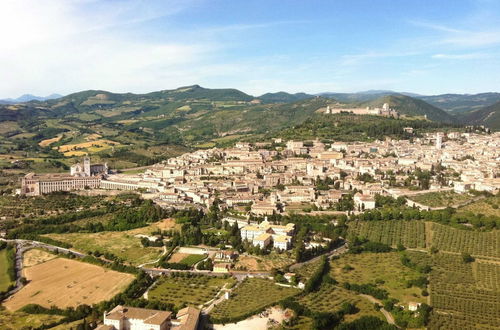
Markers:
(412, 107)
(488, 116)
(458, 103)
(30, 97)
(139, 125)
(364, 96)
(284, 97)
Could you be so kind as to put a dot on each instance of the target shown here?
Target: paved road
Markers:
(335, 252)
(23, 245)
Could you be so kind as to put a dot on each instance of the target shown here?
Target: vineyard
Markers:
(385, 269)
(488, 275)
(191, 290)
(464, 295)
(249, 298)
(330, 298)
(409, 233)
(476, 243)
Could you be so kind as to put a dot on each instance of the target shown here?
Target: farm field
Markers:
(441, 198)
(252, 295)
(409, 233)
(464, 295)
(5, 281)
(383, 267)
(47, 142)
(186, 258)
(191, 290)
(330, 298)
(479, 244)
(34, 257)
(64, 283)
(20, 320)
(123, 244)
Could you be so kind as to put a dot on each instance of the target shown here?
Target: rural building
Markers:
(226, 256)
(222, 268)
(364, 202)
(132, 318)
(187, 319)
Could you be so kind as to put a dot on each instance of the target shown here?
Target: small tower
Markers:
(439, 141)
(86, 166)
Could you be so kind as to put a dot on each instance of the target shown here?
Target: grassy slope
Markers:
(488, 116)
(122, 244)
(441, 199)
(4, 277)
(412, 107)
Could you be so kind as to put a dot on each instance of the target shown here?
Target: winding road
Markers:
(388, 316)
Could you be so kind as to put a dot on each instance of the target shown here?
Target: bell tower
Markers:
(86, 166)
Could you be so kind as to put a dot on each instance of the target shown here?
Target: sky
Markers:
(257, 46)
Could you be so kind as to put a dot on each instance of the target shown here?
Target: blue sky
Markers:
(421, 46)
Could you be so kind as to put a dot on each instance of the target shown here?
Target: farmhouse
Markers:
(187, 319)
(132, 318)
(226, 256)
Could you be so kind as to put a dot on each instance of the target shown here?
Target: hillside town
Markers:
(279, 177)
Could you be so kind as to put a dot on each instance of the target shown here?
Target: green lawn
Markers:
(251, 296)
(192, 259)
(193, 290)
(5, 281)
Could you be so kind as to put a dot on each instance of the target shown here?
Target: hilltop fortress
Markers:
(385, 111)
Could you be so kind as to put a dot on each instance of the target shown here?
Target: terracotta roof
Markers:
(189, 318)
(149, 316)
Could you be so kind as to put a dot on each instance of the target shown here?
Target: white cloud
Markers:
(69, 45)
(470, 56)
(462, 37)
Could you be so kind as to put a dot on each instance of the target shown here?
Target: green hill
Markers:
(349, 127)
(139, 129)
(459, 103)
(283, 97)
(410, 106)
(487, 116)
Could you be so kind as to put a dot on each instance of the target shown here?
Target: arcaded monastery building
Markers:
(82, 176)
